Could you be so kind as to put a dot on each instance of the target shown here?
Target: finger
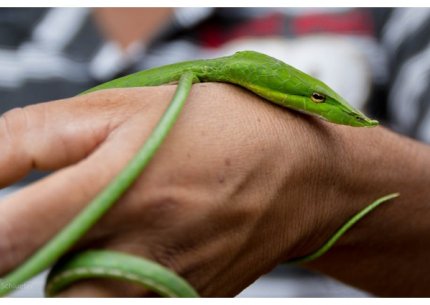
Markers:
(104, 287)
(31, 216)
(51, 135)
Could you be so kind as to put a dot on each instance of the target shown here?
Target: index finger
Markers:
(52, 135)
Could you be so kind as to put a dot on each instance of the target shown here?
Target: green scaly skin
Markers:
(271, 79)
(266, 76)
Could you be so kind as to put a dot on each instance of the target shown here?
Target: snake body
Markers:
(267, 77)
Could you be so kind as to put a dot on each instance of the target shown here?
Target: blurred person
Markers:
(252, 185)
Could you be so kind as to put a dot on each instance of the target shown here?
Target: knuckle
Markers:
(158, 212)
(8, 134)
(163, 206)
(11, 122)
(13, 125)
(8, 247)
(169, 254)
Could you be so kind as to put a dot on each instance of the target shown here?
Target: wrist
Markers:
(373, 163)
(307, 167)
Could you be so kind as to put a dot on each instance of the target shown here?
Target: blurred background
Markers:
(377, 58)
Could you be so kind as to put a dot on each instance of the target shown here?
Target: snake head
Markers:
(310, 95)
(289, 87)
(330, 106)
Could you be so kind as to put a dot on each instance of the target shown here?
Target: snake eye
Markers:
(318, 97)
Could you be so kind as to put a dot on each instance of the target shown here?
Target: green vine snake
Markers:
(267, 77)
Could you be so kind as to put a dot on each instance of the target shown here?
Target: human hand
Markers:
(238, 183)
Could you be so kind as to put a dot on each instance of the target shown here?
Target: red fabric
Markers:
(214, 35)
(352, 22)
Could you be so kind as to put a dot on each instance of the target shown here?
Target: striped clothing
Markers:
(48, 54)
(406, 37)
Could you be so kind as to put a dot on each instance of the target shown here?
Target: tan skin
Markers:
(127, 25)
(238, 183)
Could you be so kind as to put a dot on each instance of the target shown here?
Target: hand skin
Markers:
(239, 186)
